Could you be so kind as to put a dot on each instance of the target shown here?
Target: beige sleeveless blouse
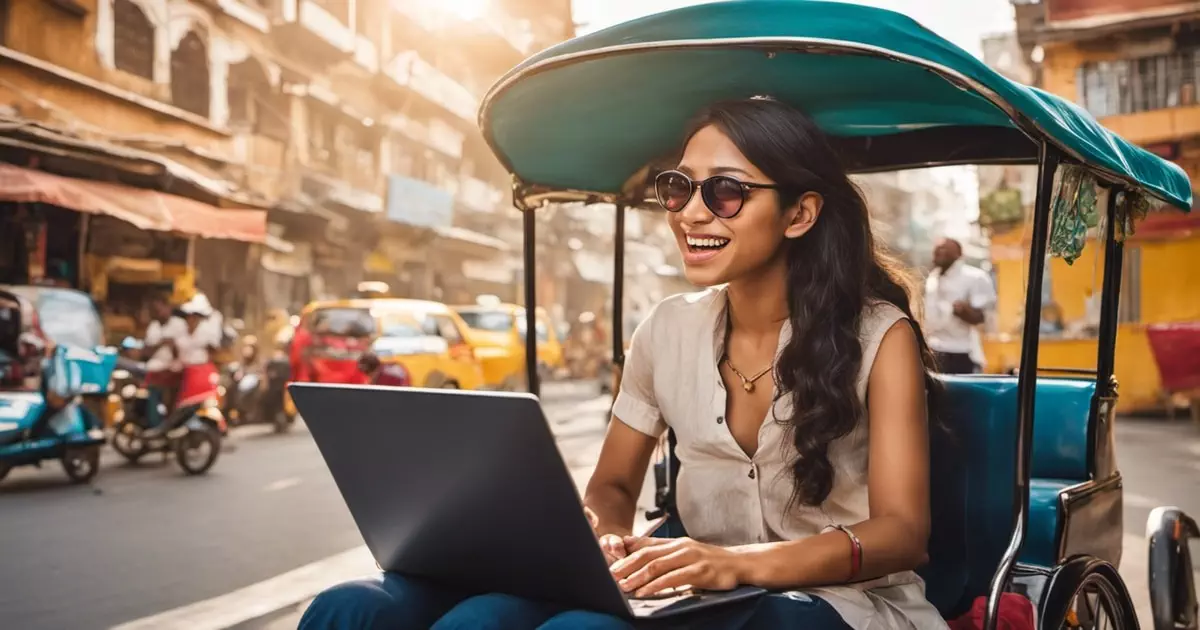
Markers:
(727, 498)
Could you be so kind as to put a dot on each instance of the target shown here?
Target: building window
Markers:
(1129, 310)
(189, 75)
(133, 39)
(1126, 86)
(273, 115)
(254, 104)
(322, 132)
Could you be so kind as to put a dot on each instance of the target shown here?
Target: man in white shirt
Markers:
(162, 373)
(193, 346)
(957, 298)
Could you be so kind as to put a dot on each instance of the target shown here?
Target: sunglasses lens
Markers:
(673, 190)
(723, 195)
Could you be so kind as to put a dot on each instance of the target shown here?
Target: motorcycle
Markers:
(254, 394)
(145, 425)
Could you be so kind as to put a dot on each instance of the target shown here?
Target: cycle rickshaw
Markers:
(1019, 506)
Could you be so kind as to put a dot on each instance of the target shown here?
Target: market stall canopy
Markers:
(145, 209)
(589, 114)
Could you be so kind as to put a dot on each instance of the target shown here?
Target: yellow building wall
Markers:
(1136, 371)
(40, 29)
(1170, 292)
(1171, 280)
(1060, 76)
(1070, 285)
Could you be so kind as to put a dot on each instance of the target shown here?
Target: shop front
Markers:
(121, 244)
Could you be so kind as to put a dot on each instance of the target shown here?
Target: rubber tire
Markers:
(210, 435)
(132, 456)
(1082, 572)
(91, 454)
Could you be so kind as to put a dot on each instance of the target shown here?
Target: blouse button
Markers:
(751, 472)
(720, 419)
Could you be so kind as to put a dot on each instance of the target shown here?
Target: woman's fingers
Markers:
(654, 569)
(636, 543)
(593, 520)
(639, 559)
(613, 547)
(681, 578)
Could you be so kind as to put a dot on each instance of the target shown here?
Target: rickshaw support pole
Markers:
(618, 294)
(529, 247)
(1048, 160)
(1114, 258)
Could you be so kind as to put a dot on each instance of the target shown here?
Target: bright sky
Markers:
(963, 22)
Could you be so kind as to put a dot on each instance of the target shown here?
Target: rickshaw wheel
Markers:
(1087, 594)
(81, 463)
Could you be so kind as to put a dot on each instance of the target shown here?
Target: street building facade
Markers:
(265, 152)
(1135, 66)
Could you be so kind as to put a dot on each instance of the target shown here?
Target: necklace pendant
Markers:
(748, 386)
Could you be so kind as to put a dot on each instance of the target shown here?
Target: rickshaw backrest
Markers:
(973, 460)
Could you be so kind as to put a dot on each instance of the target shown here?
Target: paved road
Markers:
(149, 540)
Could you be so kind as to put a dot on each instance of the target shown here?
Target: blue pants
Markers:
(395, 602)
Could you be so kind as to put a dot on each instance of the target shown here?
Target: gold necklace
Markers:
(747, 383)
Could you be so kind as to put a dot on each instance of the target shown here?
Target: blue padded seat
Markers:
(973, 463)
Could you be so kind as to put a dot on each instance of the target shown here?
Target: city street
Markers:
(146, 547)
(148, 539)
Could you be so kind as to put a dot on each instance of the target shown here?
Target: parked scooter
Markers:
(49, 423)
(255, 394)
(145, 425)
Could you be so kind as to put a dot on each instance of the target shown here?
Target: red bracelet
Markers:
(855, 551)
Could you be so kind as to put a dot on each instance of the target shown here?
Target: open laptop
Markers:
(468, 489)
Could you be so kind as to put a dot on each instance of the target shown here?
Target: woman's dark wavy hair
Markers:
(833, 273)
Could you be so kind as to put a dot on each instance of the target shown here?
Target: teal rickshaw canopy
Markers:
(589, 114)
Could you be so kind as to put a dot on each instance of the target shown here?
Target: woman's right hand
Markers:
(612, 545)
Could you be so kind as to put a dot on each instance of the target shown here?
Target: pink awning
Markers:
(146, 209)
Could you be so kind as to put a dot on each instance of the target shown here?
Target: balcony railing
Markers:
(366, 54)
(409, 70)
(317, 20)
(1126, 86)
(434, 133)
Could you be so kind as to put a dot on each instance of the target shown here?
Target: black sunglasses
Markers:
(723, 195)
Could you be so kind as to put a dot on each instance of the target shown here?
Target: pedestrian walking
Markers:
(957, 299)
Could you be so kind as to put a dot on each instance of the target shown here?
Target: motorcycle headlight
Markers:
(129, 391)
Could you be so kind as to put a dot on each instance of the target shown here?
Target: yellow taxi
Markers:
(497, 330)
(429, 340)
